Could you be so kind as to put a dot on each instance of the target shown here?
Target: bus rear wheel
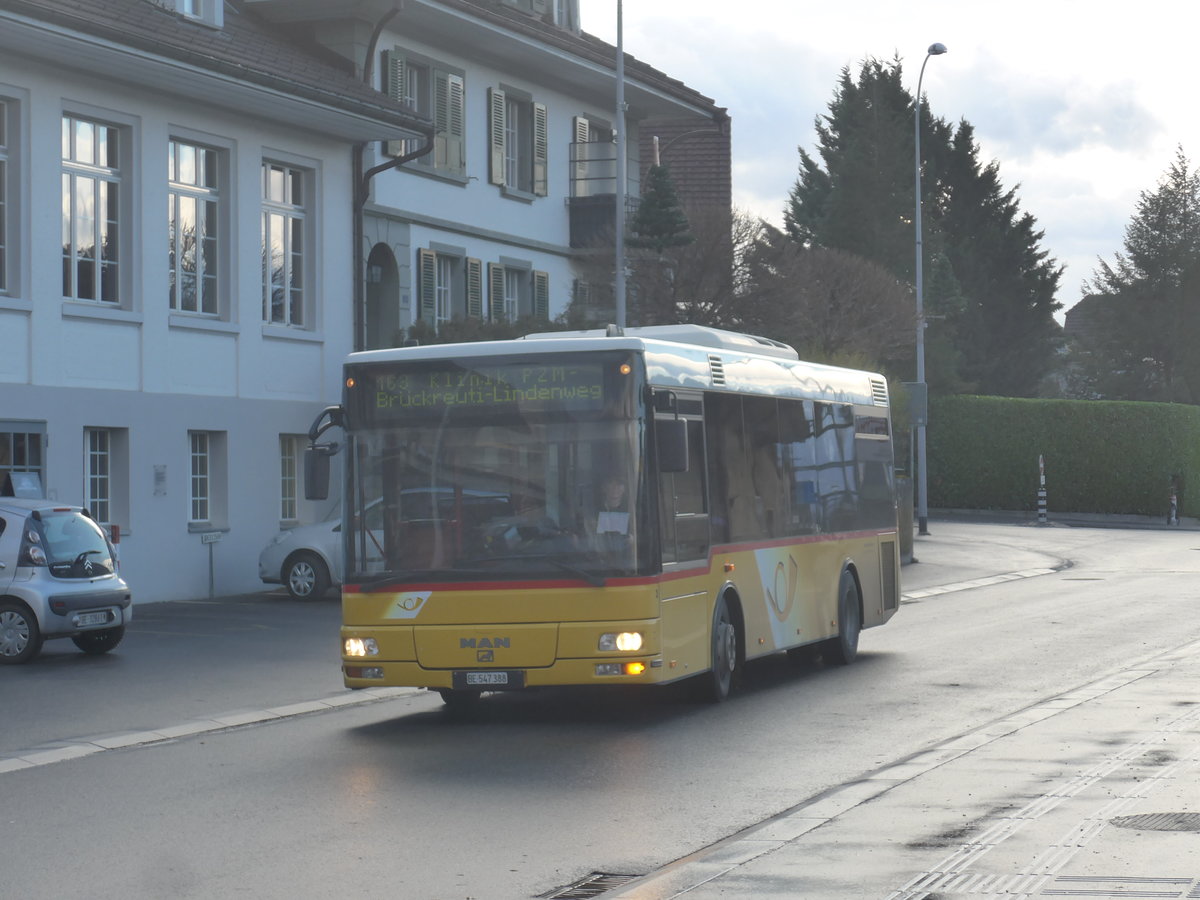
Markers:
(718, 682)
(843, 649)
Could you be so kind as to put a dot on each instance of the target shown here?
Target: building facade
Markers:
(205, 205)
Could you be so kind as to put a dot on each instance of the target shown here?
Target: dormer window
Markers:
(208, 12)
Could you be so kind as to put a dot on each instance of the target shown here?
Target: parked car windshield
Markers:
(74, 544)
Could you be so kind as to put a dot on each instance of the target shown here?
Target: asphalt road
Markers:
(393, 798)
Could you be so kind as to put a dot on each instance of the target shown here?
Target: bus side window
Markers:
(798, 447)
(683, 503)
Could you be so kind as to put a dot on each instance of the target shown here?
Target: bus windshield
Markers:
(453, 489)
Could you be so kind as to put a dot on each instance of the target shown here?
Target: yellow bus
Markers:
(606, 508)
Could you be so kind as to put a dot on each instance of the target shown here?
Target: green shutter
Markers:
(496, 112)
(456, 117)
(541, 295)
(427, 284)
(474, 289)
(541, 151)
(448, 118)
(394, 74)
(496, 291)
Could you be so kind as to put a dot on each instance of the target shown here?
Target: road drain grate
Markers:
(1179, 821)
(592, 886)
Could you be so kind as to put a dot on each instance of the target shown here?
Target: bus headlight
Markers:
(361, 647)
(626, 641)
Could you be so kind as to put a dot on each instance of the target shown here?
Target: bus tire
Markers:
(843, 649)
(723, 655)
(459, 701)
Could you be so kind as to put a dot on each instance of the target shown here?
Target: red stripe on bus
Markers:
(561, 583)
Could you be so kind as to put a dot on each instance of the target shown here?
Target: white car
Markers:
(307, 559)
(58, 578)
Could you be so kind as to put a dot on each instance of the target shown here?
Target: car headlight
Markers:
(280, 538)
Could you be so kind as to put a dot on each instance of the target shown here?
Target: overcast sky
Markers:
(1082, 104)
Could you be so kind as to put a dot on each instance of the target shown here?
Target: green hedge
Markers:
(1101, 456)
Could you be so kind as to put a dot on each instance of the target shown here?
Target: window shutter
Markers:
(448, 118)
(541, 151)
(541, 295)
(496, 291)
(427, 284)
(583, 134)
(456, 124)
(394, 73)
(583, 130)
(582, 292)
(474, 289)
(496, 113)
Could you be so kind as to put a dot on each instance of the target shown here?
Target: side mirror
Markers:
(316, 470)
(672, 444)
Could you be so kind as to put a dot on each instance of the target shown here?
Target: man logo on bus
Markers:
(783, 597)
(479, 643)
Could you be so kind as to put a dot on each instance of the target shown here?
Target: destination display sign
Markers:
(529, 386)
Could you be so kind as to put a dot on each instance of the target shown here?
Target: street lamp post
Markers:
(922, 487)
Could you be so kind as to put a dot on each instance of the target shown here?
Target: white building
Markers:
(185, 261)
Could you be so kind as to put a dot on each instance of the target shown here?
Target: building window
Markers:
(200, 484)
(106, 475)
(91, 210)
(209, 12)
(449, 286)
(516, 292)
(97, 489)
(290, 448)
(284, 232)
(517, 135)
(22, 449)
(438, 93)
(207, 479)
(193, 228)
(5, 106)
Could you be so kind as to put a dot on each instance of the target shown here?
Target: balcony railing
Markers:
(593, 193)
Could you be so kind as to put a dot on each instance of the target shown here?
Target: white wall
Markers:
(75, 365)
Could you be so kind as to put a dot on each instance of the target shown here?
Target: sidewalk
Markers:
(1051, 801)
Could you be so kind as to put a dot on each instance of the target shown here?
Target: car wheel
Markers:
(20, 637)
(305, 576)
(718, 681)
(96, 642)
(843, 649)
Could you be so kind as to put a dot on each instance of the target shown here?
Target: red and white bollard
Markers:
(1041, 490)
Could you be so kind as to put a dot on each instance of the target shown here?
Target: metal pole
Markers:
(619, 237)
(922, 486)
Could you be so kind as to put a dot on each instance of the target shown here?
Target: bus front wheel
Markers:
(718, 682)
(843, 649)
(459, 701)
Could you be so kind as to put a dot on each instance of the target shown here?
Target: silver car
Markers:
(58, 578)
(307, 559)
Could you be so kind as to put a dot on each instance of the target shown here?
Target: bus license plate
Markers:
(487, 678)
(492, 681)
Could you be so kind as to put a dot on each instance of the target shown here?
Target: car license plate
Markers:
(496, 680)
(95, 618)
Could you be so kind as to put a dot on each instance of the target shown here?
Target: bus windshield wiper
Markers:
(590, 577)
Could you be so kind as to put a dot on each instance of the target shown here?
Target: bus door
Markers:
(683, 495)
